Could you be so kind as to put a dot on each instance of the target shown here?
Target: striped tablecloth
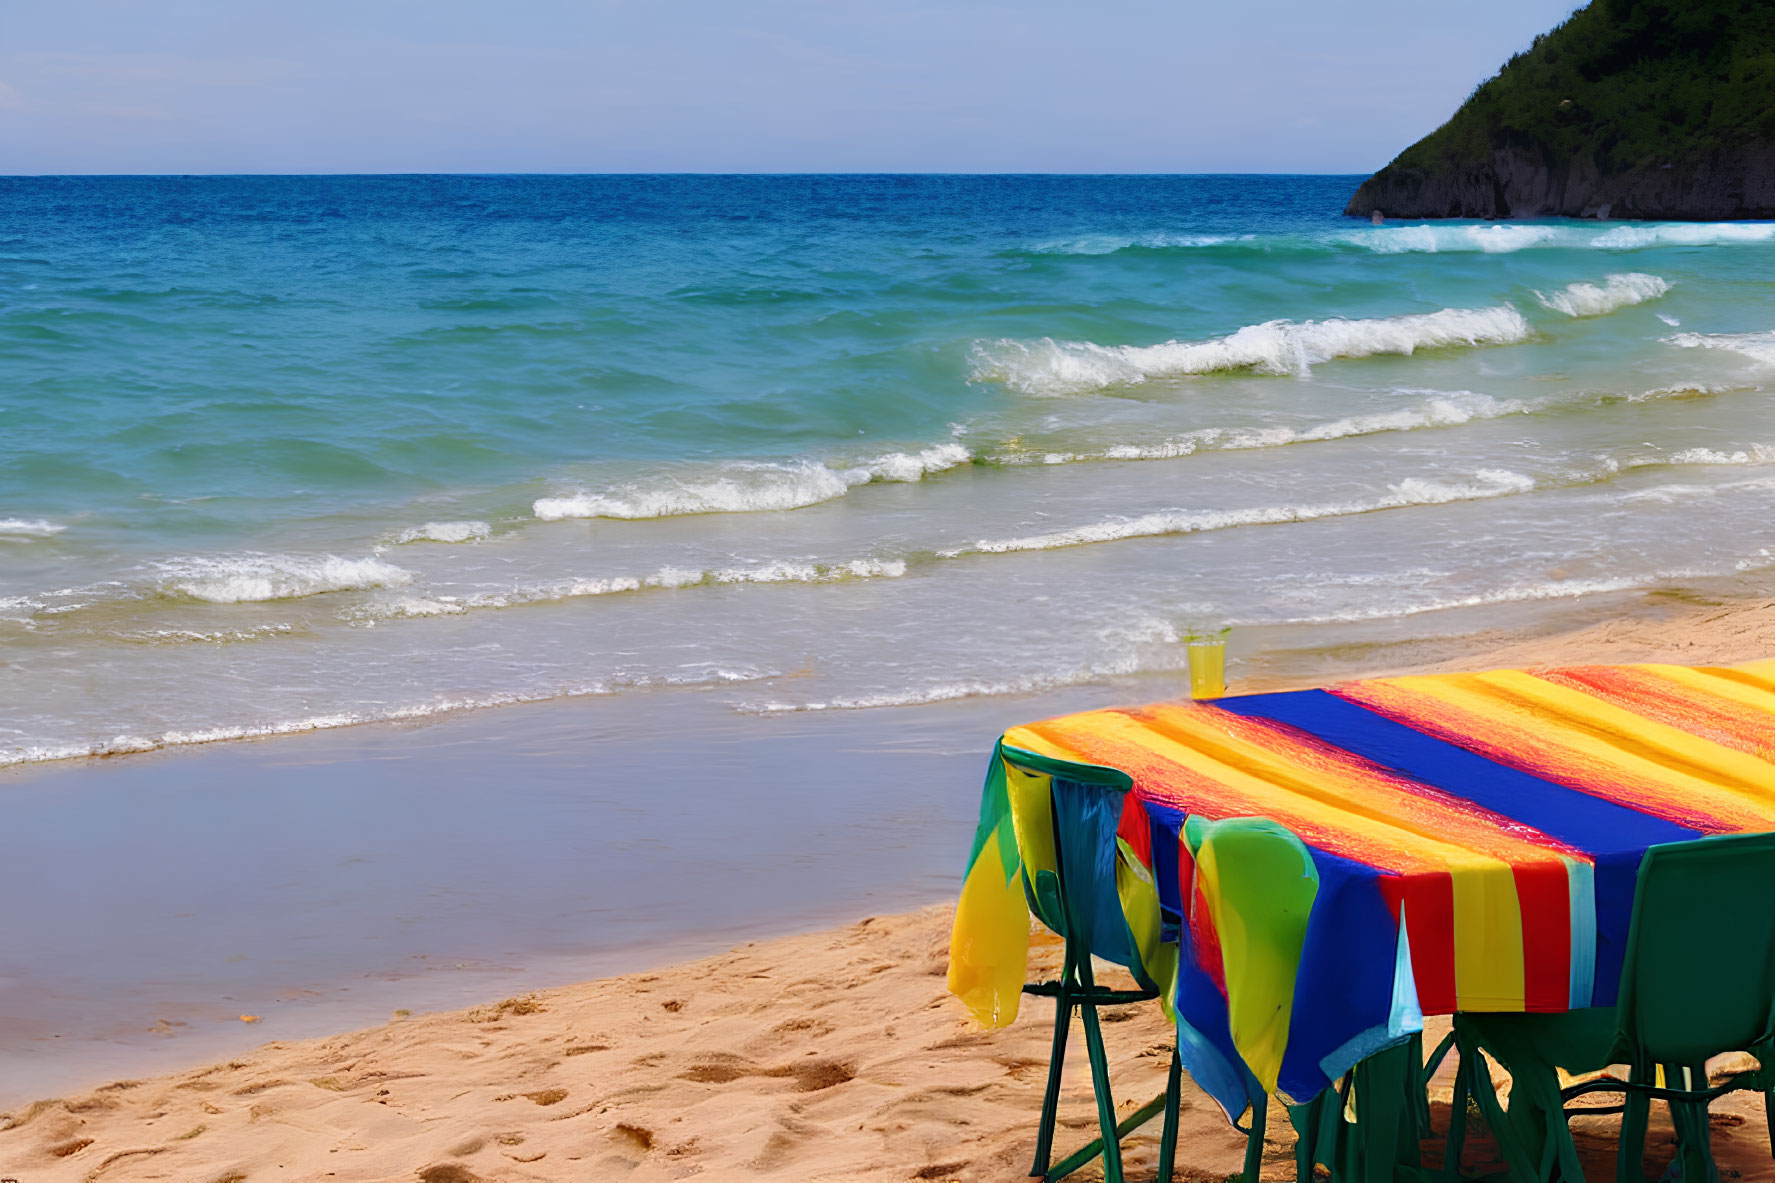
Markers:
(1475, 837)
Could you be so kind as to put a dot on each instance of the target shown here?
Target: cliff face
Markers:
(1527, 182)
(1630, 109)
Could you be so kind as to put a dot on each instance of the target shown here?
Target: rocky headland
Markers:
(1629, 109)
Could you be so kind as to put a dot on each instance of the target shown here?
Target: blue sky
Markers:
(738, 86)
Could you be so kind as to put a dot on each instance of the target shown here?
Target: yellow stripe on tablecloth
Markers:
(1580, 740)
(1489, 972)
(1682, 751)
(1739, 685)
(1759, 669)
(1755, 696)
(1029, 741)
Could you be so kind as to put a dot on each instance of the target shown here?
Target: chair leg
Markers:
(1044, 1138)
(1694, 1133)
(1457, 1117)
(1106, 1106)
(1173, 1102)
(1260, 1111)
(1630, 1157)
(1306, 1120)
(1517, 1157)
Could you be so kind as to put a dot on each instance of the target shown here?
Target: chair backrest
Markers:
(1079, 880)
(1699, 977)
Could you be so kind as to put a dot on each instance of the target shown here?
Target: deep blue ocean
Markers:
(279, 453)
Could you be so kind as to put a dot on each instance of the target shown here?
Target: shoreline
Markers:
(375, 831)
(1479, 629)
(400, 866)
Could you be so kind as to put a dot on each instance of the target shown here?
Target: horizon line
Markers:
(661, 173)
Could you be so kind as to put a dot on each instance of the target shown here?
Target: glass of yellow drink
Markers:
(1207, 664)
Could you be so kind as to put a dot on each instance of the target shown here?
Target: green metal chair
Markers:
(1084, 884)
(1697, 906)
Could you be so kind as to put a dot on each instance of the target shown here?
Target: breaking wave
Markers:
(1756, 346)
(253, 578)
(1491, 238)
(749, 486)
(1755, 454)
(1684, 234)
(1109, 244)
(1495, 238)
(1412, 491)
(1617, 291)
(445, 532)
(1050, 367)
(28, 528)
(1448, 409)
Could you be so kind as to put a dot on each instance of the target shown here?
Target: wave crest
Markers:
(254, 578)
(1684, 234)
(1491, 239)
(748, 486)
(29, 528)
(1618, 291)
(1275, 347)
(1411, 491)
(1756, 346)
(1109, 244)
(445, 532)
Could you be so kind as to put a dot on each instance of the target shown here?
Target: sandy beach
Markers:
(830, 1055)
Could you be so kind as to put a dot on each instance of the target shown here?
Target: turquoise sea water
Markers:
(286, 453)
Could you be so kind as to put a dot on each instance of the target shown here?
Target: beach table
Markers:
(1475, 839)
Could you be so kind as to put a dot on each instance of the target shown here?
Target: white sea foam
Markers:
(1684, 234)
(1445, 409)
(1410, 492)
(190, 636)
(251, 578)
(698, 674)
(907, 466)
(1050, 367)
(406, 607)
(445, 532)
(1756, 346)
(28, 528)
(748, 486)
(1755, 454)
(1618, 291)
(1108, 244)
(739, 487)
(1501, 238)
(1495, 238)
(684, 577)
(1561, 589)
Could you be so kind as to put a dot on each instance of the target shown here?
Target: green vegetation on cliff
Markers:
(1621, 86)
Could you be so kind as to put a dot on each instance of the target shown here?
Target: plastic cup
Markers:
(1207, 665)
